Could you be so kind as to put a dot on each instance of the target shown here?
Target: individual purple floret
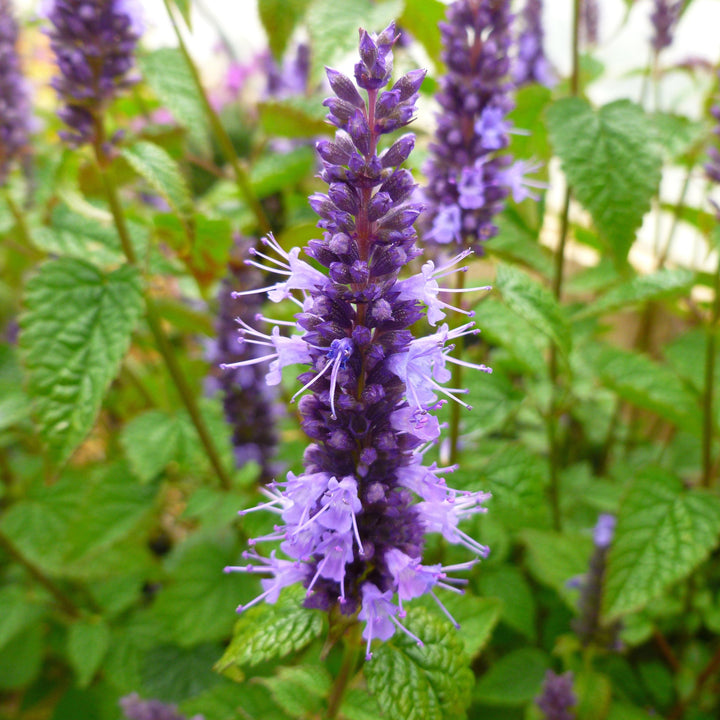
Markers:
(557, 697)
(135, 708)
(531, 65)
(590, 21)
(291, 77)
(353, 523)
(469, 173)
(94, 42)
(248, 402)
(14, 102)
(664, 18)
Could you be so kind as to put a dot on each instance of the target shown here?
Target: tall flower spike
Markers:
(531, 65)
(712, 167)
(14, 103)
(469, 169)
(664, 18)
(590, 21)
(93, 41)
(135, 708)
(353, 523)
(248, 403)
(557, 697)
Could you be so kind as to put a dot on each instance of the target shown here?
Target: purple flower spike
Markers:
(135, 708)
(531, 65)
(14, 102)
(93, 41)
(664, 18)
(469, 171)
(712, 167)
(557, 697)
(590, 21)
(353, 524)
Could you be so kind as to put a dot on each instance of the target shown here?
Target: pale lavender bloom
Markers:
(531, 65)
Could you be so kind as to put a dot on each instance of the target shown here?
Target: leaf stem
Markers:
(63, 600)
(351, 652)
(152, 315)
(241, 175)
(708, 395)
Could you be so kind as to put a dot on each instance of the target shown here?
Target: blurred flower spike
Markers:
(352, 526)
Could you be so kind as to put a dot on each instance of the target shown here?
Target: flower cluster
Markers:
(135, 708)
(557, 696)
(14, 103)
(469, 175)
(353, 523)
(93, 41)
(247, 400)
(664, 18)
(531, 65)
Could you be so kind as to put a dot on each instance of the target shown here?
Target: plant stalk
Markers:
(241, 175)
(153, 317)
(708, 396)
(351, 652)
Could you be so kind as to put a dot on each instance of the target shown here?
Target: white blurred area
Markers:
(623, 49)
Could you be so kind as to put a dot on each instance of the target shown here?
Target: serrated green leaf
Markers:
(611, 163)
(554, 559)
(594, 692)
(514, 679)
(648, 385)
(68, 528)
(21, 658)
(74, 333)
(296, 117)
(279, 18)
(518, 244)
(656, 286)
(677, 134)
(663, 533)
(333, 27)
(276, 171)
(88, 641)
(172, 673)
(18, 612)
(359, 705)
(420, 18)
(299, 690)
(535, 303)
(168, 74)
(509, 585)
(161, 172)
(421, 683)
(151, 441)
(198, 602)
(267, 631)
(229, 700)
(14, 403)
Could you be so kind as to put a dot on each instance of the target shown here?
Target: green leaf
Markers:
(663, 533)
(296, 117)
(421, 20)
(299, 691)
(656, 286)
(277, 171)
(267, 631)
(73, 336)
(554, 559)
(509, 585)
(516, 243)
(88, 641)
(535, 303)
(611, 163)
(514, 679)
(421, 683)
(161, 172)
(184, 6)
(333, 27)
(21, 658)
(359, 705)
(228, 700)
(151, 441)
(168, 74)
(648, 385)
(171, 674)
(678, 134)
(67, 528)
(18, 612)
(14, 403)
(279, 18)
(594, 693)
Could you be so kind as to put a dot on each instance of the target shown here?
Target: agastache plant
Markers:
(94, 42)
(531, 65)
(352, 525)
(469, 171)
(14, 103)
(664, 18)
(557, 697)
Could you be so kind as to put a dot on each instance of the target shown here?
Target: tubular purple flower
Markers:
(531, 65)
(354, 522)
(469, 168)
(664, 18)
(557, 697)
(14, 100)
(93, 41)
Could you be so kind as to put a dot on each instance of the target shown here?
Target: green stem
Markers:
(19, 221)
(457, 373)
(708, 405)
(241, 175)
(351, 652)
(63, 600)
(152, 315)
